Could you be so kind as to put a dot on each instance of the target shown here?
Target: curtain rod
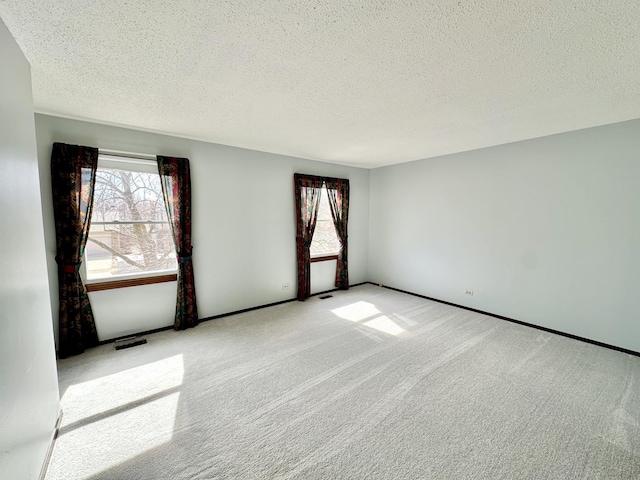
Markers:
(122, 154)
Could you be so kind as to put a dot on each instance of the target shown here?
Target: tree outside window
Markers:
(129, 231)
(325, 240)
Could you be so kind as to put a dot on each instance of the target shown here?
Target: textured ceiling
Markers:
(365, 83)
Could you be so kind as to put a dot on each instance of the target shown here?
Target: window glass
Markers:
(325, 240)
(129, 231)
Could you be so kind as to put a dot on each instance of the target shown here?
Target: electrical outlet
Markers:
(468, 292)
(286, 286)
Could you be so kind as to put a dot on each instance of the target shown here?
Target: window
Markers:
(325, 240)
(316, 198)
(129, 235)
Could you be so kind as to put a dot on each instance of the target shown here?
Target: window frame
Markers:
(324, 257)
(113, 160)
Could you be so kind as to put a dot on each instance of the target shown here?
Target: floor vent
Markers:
(129, 342)
(322, 297)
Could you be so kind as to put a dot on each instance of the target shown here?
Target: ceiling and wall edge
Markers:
(346, 164)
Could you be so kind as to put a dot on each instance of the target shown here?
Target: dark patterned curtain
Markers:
(338, 192)
(176, 189)
(307, 194)
(73, 178)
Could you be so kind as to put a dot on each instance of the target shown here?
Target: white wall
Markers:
(243, 225)
(29, 402)
(323, 276)
(546, 231)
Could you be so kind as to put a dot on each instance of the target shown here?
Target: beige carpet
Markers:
(370, 384)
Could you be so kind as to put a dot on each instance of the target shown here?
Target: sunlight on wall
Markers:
(356, 311)
(362, 310)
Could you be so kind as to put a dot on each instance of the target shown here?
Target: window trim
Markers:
(131, 276)
(132, 222)
(324, 258)
(100, 285)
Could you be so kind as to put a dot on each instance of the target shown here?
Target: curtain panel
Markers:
(308, 189)
(73, 177)
(307, 199)
(176, 188)
(338, 192)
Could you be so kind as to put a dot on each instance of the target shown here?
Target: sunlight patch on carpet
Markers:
(100, 395)
(385, 324)
(115, 418)
(103, 444)
(356, 311)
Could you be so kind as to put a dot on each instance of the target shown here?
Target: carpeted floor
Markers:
(369, 384)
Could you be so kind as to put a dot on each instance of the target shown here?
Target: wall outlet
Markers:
(286, 286)
(468, 292)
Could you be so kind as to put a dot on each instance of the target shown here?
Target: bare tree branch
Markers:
(133, 196)
(117, 254)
